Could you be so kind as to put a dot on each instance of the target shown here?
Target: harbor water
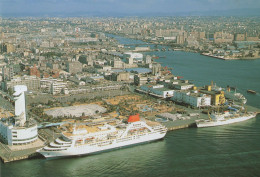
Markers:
(230, 150)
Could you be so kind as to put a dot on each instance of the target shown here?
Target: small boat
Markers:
(251, 91)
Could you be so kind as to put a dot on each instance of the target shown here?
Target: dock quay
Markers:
(187, 120)
(170, 120)
(9, 154)
(179, 121)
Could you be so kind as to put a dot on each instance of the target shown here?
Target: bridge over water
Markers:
(141, 44)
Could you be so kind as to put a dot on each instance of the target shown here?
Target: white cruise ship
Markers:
(224, 118)
(87, 139)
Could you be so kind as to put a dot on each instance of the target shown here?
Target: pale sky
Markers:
(129, 7)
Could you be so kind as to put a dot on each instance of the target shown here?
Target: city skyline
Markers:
(128, 8)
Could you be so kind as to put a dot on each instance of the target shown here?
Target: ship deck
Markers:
(85, 129)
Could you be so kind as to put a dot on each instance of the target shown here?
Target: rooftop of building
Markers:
(163, 89)
(183, 83)
(212, 92)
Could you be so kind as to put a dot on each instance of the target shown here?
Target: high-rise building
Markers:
(223, 37)
(8, 48)
(19, 98)
(8, 73)
(118, 63)
(148, 59)
(121, 76)
(156, 69)
(130, 60)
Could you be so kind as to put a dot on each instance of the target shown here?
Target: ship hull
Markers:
(87, 149)
(224, 122)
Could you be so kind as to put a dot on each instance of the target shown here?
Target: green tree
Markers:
(10, 91)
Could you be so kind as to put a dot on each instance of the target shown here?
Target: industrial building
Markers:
(120, 76)
(217, 97)
(140, 79)
(158, 90)
(59, 87)
(192, 98)
(134, 56)
(176, 83)
(182, 85)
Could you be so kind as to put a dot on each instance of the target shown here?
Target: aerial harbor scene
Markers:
(129, 88)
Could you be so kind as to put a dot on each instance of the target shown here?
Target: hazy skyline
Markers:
(124, 7)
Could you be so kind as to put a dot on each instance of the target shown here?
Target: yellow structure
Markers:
(218, 98)
(228, 89)
(194, 88)
(222, 99)
(208, 88)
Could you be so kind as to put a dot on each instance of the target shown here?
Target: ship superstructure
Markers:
(87, 139)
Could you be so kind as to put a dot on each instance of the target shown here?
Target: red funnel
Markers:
(134, 118)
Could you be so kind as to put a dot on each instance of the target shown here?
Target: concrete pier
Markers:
(14, 153)
(180, 124)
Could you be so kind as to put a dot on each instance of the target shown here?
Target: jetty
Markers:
(14, 153)
(173, 121)
(188, 120)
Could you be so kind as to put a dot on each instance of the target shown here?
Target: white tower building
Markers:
(18, 130)
(20, 102)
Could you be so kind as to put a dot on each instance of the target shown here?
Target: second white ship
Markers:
(225, 118)
(87, 139)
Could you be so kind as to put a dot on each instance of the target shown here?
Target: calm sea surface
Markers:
(231, 150)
